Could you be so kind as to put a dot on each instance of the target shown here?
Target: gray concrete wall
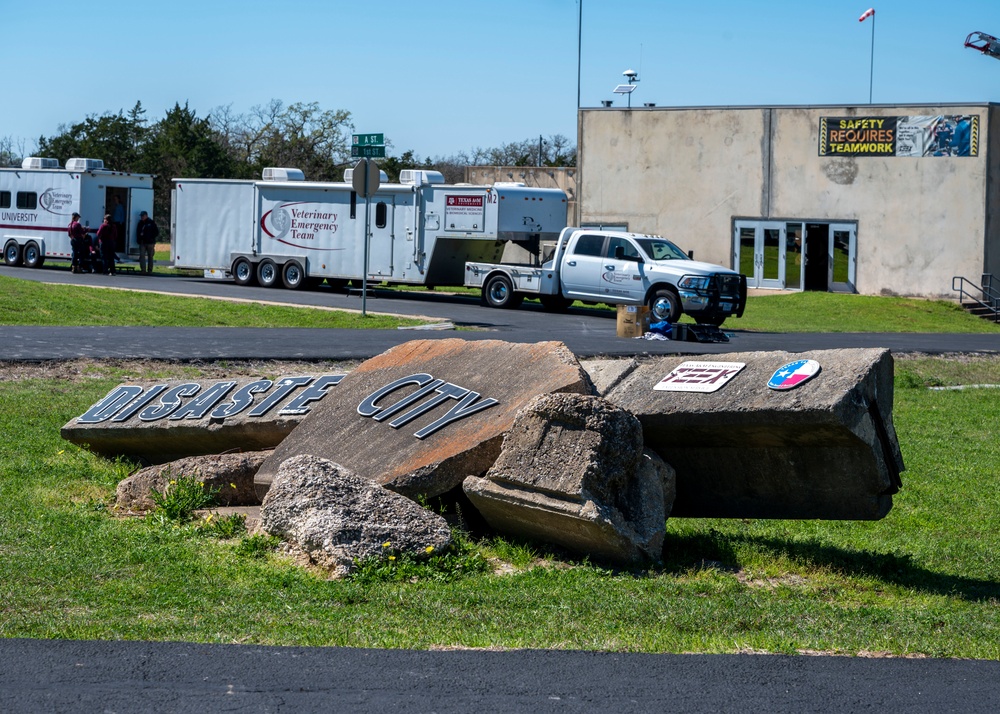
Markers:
(687, 173)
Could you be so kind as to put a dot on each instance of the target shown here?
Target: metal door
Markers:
(843, 257)
(759, 249)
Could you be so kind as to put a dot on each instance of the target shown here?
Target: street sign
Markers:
(366, 182)
(373, 152)
(367, 139)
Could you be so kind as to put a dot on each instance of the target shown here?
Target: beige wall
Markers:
(688, 173)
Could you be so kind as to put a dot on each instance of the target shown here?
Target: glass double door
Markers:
(796, 255)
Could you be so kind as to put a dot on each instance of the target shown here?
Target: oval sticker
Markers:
(793, 374)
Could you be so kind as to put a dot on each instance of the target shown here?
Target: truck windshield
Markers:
(661, 249)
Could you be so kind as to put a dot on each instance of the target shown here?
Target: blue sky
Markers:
(442, 76)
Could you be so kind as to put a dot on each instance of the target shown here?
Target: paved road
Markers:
(60, 676)
(588, 333)
(47, 676)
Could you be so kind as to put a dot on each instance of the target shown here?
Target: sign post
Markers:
(366, 181)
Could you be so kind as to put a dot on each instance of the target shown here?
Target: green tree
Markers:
(116, 139)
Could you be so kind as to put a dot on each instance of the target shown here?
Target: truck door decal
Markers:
(301, 225)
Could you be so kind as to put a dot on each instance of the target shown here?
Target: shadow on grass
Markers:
(680, 553)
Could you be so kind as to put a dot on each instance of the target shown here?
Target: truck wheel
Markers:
(664, 304)
(555, 303)
(499, 292)
(267, 273)
(714, 320)
(33, 257)
(12, 253)
(243, 272)
(292, 275)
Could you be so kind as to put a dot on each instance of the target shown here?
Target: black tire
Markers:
(555, 303)
(714, 320)
(293, 276)
(243, 272)
(665, 304)
(499, 292)
(12, 254)
(268, 273)
(32, 255)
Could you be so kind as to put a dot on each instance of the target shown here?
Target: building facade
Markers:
(873, 199)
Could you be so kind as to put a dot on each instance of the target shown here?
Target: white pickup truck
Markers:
(612, 267)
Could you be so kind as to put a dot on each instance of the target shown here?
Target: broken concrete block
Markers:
(165, 421)
(573, 472)
(422, 416)
(824, 449)
(335, 517)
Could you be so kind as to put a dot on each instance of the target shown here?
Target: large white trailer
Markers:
(38, 199)
(283, 230)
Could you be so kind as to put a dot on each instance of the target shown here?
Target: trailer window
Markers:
(4, 199)
(28, 200)
(381, 214)
(589, 245)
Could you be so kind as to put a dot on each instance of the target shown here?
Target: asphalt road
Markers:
(70, 676)
(588, 333)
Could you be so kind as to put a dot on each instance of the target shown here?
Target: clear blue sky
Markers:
(442, 76)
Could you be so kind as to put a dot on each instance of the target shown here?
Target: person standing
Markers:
(118, 218)
(146, 233)
(79, 244)
(106, 235)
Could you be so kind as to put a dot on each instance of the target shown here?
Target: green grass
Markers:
(25, 302)
(923, 581)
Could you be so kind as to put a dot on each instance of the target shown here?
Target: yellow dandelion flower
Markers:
(232, 486)
(392, 557)
(387, 544)
(429, 549)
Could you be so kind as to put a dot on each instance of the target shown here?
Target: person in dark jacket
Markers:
(145, 234)
(106, 236)
(79, 243)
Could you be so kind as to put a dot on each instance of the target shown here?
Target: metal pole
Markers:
(364, 278)
(578, 213)
(871, 70)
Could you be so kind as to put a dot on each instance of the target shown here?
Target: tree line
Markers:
(227, 144)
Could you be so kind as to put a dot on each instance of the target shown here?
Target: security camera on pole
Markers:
(366, 180)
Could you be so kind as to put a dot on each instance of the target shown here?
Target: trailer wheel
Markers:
(665, 304)
(267, 273)
(499, 292)
(555, 303)
(293, 276)
(33, 257)
(12, 253)
(243, 273)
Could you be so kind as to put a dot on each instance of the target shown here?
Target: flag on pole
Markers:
(870, 12)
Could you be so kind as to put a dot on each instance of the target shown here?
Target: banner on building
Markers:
(943, 135)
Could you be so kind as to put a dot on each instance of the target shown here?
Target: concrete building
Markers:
(873, 199)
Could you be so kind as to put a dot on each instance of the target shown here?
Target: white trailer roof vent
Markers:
(275, 174)
(420, 177)
(509, 183)
(349, 176)
(84, 165)
(37, 162)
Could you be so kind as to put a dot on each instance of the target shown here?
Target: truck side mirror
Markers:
(619, 252)
(691, 254)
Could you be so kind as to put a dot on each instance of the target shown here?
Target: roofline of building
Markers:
(711, 107)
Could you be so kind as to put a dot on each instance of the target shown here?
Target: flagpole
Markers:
(871, 64)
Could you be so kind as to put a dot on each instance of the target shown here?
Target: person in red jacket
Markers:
(79, 243)
(106, 236)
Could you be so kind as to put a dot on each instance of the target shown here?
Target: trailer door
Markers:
(139, 200)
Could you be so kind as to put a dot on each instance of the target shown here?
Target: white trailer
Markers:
(286, 231)
(37, 201)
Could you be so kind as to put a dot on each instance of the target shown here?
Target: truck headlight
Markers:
(694, 282)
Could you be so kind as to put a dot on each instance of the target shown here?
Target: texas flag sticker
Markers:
(793, 374)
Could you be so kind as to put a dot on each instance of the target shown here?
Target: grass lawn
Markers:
(25, 302)
(923, 581)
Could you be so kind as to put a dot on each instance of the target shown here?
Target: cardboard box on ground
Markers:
(633, 320)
